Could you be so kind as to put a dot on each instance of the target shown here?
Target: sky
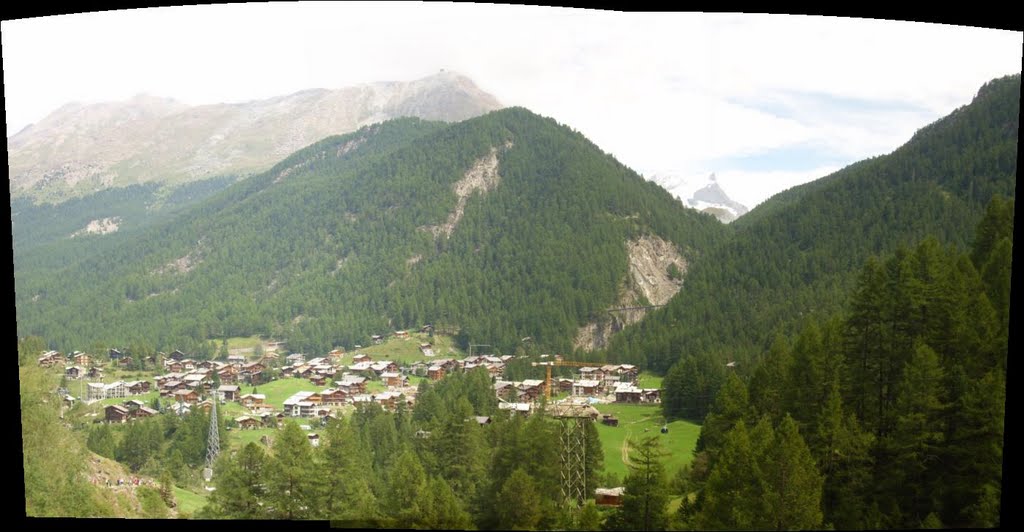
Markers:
(765, 102)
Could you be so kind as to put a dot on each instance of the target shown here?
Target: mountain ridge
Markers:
(82, 148)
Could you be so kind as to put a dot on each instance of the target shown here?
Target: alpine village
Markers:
(470, 316)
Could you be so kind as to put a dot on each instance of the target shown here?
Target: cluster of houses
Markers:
(612, 379)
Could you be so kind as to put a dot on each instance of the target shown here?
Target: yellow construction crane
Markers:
(557, 362)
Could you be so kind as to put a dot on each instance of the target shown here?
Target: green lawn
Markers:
(189, 502)
(649, 380)
(247, 342)
(239, 438)
(281, 389)
(408, 350)
(633, 419)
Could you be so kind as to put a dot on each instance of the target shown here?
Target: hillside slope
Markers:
(504, 226)
(796, 254)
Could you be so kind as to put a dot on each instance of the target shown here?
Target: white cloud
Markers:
(658, 90)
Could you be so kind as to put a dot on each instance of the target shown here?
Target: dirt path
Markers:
(625, 448)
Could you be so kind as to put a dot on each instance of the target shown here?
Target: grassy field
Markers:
(281, 389)
(649, 380)
(633, 419)
(408, 350)
(247, 342)
(189, 502)
(239, 438)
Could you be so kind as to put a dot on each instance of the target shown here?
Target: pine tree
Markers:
(793, 484)
(290, 485)
(520, 502)
(243, 489)
(646, 493)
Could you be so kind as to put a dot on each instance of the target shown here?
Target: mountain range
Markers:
(80, 149)
(503, 226)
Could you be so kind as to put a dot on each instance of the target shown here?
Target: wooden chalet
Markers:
(74, 372)
(361, 357)
(334, 396)
(609, 496)
(586, 387)
(189, 397)
(51, 358)
(251, 400)
(228, 392)
(394, 379)
(115, 414)
(248, 422)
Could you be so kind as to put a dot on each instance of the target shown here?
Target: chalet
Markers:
(314, 439)
(531, 389)
(628, 373)
(228, 392)
(95, 372)
(125, 361)
(188, 364)
(51, 358)
(161, 380)
(177, 355)
(435, 372)
(515, 408)
(251, 400)
(189, 397)
(388, 400)
(269, 420)
(115, 354)
(317, 361)
(377, 339)
(317, 380)
(402, 334)
(361, 357)
(427, 349)
(333, 396)
(171, 386)
(143, 411)
(394, 378)
(274, 346)
(236, 360)
(610, 420)
(115, 414)
(384, 366)
(228, 376)
(611, 375)
(298, 405)
(295, 358)
(248, 422)
(482, 420)
(627, 393)
(564, 385)
(352, 384)
(74, 372)
(416, 368)
(362, 368)
(651, 395)
(252, 373)
(505, 390)
(585, 388)
(174, 366)
(609, 496)
(591, 374)
(81, 359)
(69, 401)
(495, 370)
(205, 405)
(337, 352)
(194, 380)
(205, 364)
(137, 387)
(94, 391)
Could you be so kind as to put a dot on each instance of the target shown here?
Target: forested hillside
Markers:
(890, 415)
(796, 255)
(504, 226)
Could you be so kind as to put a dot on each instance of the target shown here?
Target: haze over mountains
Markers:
(80, 149)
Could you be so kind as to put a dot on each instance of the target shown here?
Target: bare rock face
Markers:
(84, 148)
(647, 283)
